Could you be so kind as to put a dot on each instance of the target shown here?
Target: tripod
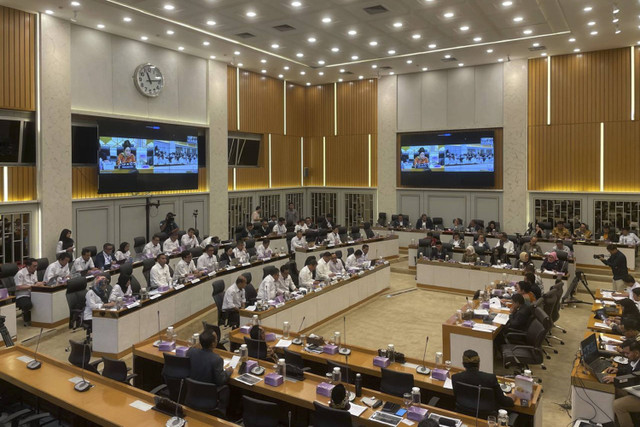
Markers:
(569, 296)
(6, 336)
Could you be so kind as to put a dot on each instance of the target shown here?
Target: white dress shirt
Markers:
(241, 255)
(364, 258)
(457, 243)
(80, 265)
(264, 252)
(55, 270)
(117, 292)
(183, 269)
(59, 249)
(122, 256)
(302, 228)
(280, 230)
(629, 239)
(631, 288)
(23, 277)
(206, 261)
(353, 262)
(322, 270)
(233, 298)
(92, 302)
(336, 267)
(267, 289)
(305, 278)
(189, 242)
(160, 276)
(151, 250)
(285, 285)
(298, 243)
(508, 246)
(334, 238)
(206, 241)
(170, 245)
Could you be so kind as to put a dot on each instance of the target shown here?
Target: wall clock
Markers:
(149, 80)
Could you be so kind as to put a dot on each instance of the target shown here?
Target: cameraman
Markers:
(618, 263)
(168, 225)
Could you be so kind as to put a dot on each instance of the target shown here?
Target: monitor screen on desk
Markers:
(589, 348)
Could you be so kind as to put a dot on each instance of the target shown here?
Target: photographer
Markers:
(169, 225)
(618, 263)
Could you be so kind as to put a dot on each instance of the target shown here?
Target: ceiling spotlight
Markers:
(354, 58)
(594, 33)
(240, 64)
(302, 73)
(335, 49)
(591, 23)
(251, 14)
(618, 31)
(311, 40)
(299, 54)
(236, 53)
(391, 52)
(449, 15)
(342, 70)
(374, 66)
(263, 71)
(500, 60)
(397, 24)
(340, 80)
(264, 61)
(321, 62)
(433, 46)
(518, 19)
(616, 9)
(373, 43)
(286, 67)
(447, 56)
(588, 9)
(460, 64)
(49, 12)
(321, 73)
(477, 39)
(527, 32)
(101, 26)
(180, 47)
(361, 77)
(205, 43)
(296, 3)
(211, 22)
(280, 76)
(615, 20)
(489, 50)
(126, 19)
(170, 32)
(416, 36)
(75, 3)
(212, 57)
(464, 28)
(424, 68)
(572, 39)
(275, 46)
(409, 61)
(576, 50)
(169, 7)
(536, 44)
(352, 32)
(144, 38)
(543, 54)
(507, 3)
(308, 84)
(326, 20)
(391, 73)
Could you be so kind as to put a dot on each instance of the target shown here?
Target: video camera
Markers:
(598, 256)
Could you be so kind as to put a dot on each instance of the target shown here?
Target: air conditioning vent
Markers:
(348, 73)
(386, 68)
(245, 35)
(375, 10)
(535, 49)
(284, 27)
(452, 59)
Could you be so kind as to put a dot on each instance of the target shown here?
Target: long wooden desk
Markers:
(8, 309)
(148, 360)
(466, 278)
(107, 403)
(385, 247)
(115, 331)
(330, 301)
(361, 361)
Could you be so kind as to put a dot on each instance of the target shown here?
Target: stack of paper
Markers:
(601, 325)
(501, 319)
(482, 327)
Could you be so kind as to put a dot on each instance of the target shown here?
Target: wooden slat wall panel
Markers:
(537, 92)
(564, 157)
(621, 153)
(347, 161)
(17, 56)
(230, 177)
(261, 104)
(296, 96)
(374, 160)
(636, 58)
(232, 104)
(319, 110)
(285, 161)
(313, 160)
(22, 183)
(357, 107)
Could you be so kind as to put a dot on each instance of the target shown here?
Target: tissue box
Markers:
(245, 329)
(468, 323)
(163, 288)
(524, 387)
(382, 362)
(273, 379)
(182, 351)
(4, 293)
(167, 346)
(330, 349)
(324, 389)
(439, 374)
(269, 336)
(498, 292)
(485, 305)
(249, 366)
(279, 299)
(416, 413)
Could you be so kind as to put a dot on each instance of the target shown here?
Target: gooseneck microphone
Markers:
(83, 385)
(297, 340)
(423, 369)
(176, 421)
(343, 350)
(34, 364)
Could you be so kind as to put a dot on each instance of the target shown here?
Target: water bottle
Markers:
(286, 328)
(503, 418)
(415, 396)
(282, 368)
(171, 335)
(337, 375)
(244, 356)
(358, 385)
(336, 339)
(438, 358)
(254, 320)
(391, 353)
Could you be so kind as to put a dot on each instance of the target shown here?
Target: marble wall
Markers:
(387, 128)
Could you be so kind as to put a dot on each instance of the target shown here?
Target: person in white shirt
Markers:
(335, 265)
(264, 251)
(305, 278)
(627, 238)
(267, 289)
(240, 253)
(83, 262)
(96, 298)
(354, 260)
(457, 242)
(123, 253)
(211, 240)
(24, 279)
(298, 242)
(506, 244)
(124, 282)
(189, 240)
(559, 246)
(152, 249)
(334, 237)
(635, 296)
(285, 282)
(234, 300)
(256, 216)
(171, 245)
(160, 274)
(58, 269)
(207, 261)
(323, 272)
(65, 242)
(186, 266)
(365, 251)
(301, 226)
(280, 228)
(629, 284)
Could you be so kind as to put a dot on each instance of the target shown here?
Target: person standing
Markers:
(618, 264)
(291, 215)
(168, 225)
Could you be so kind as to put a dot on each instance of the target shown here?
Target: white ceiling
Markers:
(551, 22)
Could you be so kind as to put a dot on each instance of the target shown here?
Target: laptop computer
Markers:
(592, 358)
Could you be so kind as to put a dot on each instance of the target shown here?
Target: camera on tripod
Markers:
(598, 256)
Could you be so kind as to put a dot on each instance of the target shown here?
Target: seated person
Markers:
(507, 244)
(635, 296)
(532, 247)
(96, 298)
(535, 288)
(630, 350)
(522, 261)
(481, 245)
(456, 241)
(491, 228)
(400, 222)
(365, 251)
(457, 225)
(630, 284)
(560, 231)
(240, 253)
(473, 226)
(83, 263)
(105, 258)
(334, 236)
(424, 223)
(627, 238)
(123, 253)
(206, 365)
(301, 226)
(160, 275)
(499, 256)
(152, 249)
(466, 399)
(582, 232)
(539, 232)
(524, 289)
(248, 232)
(309, 223)
(228, 255)
(354, 260)
(211, 240)
(124, 282)
(520, 315)
(186, 267)
(421, 161)
(438, 252)
(172, 244)
(532, 269)
(264, 228)
(608, 235)
(280, 228)
(190, 240)
(629, 311)
(470, 255)
(207, 261)
(623, 407)
(264, 251)
(58, 269)
(552, 263)
(339, 398)
(305, 278)
(560, 246)
(323, 272)
(24, 279)
(267, 290)
(234, 300)
(285, 282)
(336, 265)
(299, 241)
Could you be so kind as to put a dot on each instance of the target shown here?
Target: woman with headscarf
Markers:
(470, 255)
(65, 242)
(523, 260)
(123, 286)
(551, 263)
(96, 298)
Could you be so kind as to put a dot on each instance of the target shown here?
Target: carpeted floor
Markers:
(402, 317)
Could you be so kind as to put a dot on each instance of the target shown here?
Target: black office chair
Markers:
(250, 243)
(80, 356)
(206, 397)
(175, 370)
(116, 370)
(382, 219)
(344, 371)
(342, 232)
(325, 416)
(76, 299)
(368, 232)
(163, 237)
(218, 299)
(196, 252)
(355, 232)
(250, 294)
(497, 225)
(438, 223)
(7, 273)
(529, 351)
(479, 222)
(147, 265)
(467, 399)
(93, 249)
(350, 251)
(256, 348)
(292, 358)
(448, 248)
(311, 236)
(43, 263)
(215, 328)
(395, 383)
(258, 413)
(338, 253)
(394, 218)
(293, 271)
(555, 314)
(138, 244)
(290, 235)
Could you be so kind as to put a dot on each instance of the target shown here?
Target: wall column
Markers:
(387, 158)
(515, 197)
(54, 143)
(217, 150)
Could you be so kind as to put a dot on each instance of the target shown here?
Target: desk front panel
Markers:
(50, 306)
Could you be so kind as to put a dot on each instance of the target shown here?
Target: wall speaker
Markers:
(305, 172)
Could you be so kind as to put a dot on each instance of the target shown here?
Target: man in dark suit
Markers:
(424, 223)
(399, 222)
(631, 350)
(438, 252)
(248, 232)
(207, 366)
(520, 316)
(105, 257)
(264, 229)
(467, 398)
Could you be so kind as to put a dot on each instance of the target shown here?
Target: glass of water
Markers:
(406, 399)
(491, 421)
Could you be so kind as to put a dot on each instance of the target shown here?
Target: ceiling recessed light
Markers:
(240, 64)
(477, 39)
(489, 50)
(615, 20)
(212, 57)
(335, 49)
(447, 56)
(126, 19)
(286, 67)
(591, 23)
(326, 20)
(75, 3)
(49, 12)
(416, 36)
(449, 15)
(296, 3)
(615, 9)
(144, 38)
(308, 84)
(527, 32)
(594, 33)
(536, 44)
(205, 43)
(424, 68)
(299, 54)
(321, 73)
(464, 28)
(500, 60)
(391, 52)
(433, 46)
(352, 32)
(211, 22)
(409, 61)
(572, 39)
(518, 19)
(280, 76)
(373, 43)
(263, 71)
(391, 73)
(236, 53)
(169, 7)
(507, 3)
(397, 24)
(180, 47)
(588, 9)
(460, 64)
(374, 66)
(355, 57)
(251, 14)
(275, 46)
(340, 80)
(321, 62)
(618, 31)
(302, 73)
(311, 40)
(264, 61)
(170, 32)
(101, 26)
(543, 54)
(342, 70)
(576, 50)
(361, 77)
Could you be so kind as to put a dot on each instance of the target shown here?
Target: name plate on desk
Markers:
(180, 286)
(231, 267)
(154, 296)
(351, 242)
(135, 304)
(244, 264)
(280, 304)
(213, 273)
(193, 282)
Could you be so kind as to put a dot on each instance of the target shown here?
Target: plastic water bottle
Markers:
(286, 328)
(358, 385)
(391, 350)
(415, 395)
(282, 368)
(336, 377)
(171, 335)
(503, 418)
(254, 320)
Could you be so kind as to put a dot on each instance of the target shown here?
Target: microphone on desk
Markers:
(176, 421)
(297, 340)
(83, 385)
(343, 350)
(289, 418)
(34, 364)
(423, 369)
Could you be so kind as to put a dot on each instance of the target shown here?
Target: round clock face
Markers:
(148, 80)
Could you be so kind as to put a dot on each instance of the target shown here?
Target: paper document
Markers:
(356, 410)
(233, 362)
(480, 312)
(410, 365)
(138, 404)
(407, 422)
(250, 308)
(501, 319)
(481, 327)
(75, 380)
(25, 359)
(601, 325)
(495, 302)
(448, 384)
(283, 343)
(607, 339)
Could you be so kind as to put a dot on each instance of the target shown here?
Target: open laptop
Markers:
(592, 359)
